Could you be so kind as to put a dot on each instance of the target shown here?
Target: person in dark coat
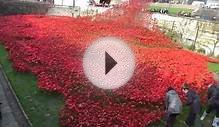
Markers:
(0, 112)
(173, 106)
(213, 103)
(193, 101)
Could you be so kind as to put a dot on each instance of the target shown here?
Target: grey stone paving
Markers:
(12, 113)
(8, 119)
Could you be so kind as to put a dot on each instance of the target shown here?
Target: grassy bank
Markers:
(213, 67)
(41, 107)
(172, 10)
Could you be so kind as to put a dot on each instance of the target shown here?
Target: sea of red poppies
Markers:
(52, 48)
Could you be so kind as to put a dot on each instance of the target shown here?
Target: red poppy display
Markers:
(52, 48)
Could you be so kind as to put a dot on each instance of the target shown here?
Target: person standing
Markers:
(0, 113)
(213, 103)
(193, 101)
(173, 106)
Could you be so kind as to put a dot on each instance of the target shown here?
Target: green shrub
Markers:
(201, 50)
(190, 47)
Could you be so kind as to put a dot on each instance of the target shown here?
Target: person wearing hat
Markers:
(173, 106)
(193, 101)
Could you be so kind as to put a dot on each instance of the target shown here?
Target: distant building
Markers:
(212, 3)
(163, 1)
(191, 1)
(83, 3)
(71, 2)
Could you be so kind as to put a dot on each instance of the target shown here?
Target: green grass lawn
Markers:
(172, 10)
(41, 107)
(182, 117)
(213, 67)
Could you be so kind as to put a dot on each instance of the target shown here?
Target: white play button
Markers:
(109, 63)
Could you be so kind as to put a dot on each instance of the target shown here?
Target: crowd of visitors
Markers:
(174, 106)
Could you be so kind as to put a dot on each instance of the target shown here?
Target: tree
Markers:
(215, 44)
(199, 24)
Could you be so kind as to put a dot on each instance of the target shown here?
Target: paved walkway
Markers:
(12, 114)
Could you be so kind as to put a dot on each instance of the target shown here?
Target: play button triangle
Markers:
(109, 63)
